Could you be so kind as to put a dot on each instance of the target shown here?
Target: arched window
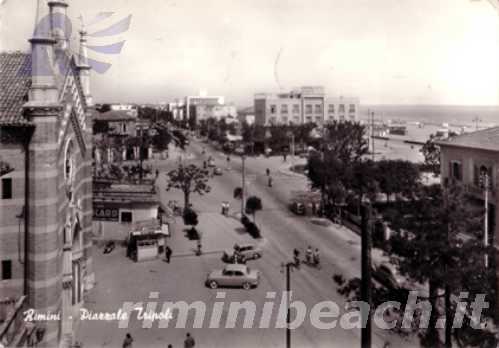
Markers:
(69, 167)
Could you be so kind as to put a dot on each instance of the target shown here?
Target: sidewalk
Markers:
(218, 233)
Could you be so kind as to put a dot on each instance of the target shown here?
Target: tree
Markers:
(428, 240)
(189, 179)
(253, 204)
(347, 140)
(396, 176)
(431, 153)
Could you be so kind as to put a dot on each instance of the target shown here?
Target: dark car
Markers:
(298, 208)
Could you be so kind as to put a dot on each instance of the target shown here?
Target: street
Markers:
(119, 279)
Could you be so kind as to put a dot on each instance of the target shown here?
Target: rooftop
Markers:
(485, 139)
(15, 81)
(116, 115)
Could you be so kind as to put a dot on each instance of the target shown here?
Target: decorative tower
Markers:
(43, 277)
(43, 88)
(59, 23)
(83, 67)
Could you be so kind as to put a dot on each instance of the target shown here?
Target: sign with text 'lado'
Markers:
(106, 213)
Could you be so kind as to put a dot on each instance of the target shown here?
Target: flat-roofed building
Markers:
(304, 105)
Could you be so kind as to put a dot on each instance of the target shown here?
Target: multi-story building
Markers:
(196, 108)
(466, 159)
(306, 104)
(204, 112)
(46, 195)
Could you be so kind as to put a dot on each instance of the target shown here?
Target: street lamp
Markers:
(291, 135)
(288, 266)
(243, 177)
(485, 181)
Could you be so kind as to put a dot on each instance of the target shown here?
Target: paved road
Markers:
(121, 280)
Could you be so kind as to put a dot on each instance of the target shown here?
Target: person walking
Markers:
(270, 181)
(127, 343)
(267, 171)
(189, 341)
(168, 253)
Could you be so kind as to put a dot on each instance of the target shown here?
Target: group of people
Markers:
(312, 257)
(189, 341)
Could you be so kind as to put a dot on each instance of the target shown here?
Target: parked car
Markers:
(217, 171)
(246, 252)
(211, 162)
(298, 208)
(389, 277)
(234, 275)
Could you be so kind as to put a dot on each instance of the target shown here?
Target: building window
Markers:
(351, 108)
(342, 108)
(318, 109)
(273, 109)
(308, 109)
(309, 119)
(6, 188)
(296, 119)
(342, 118)
(330, 108)
(456, 170)
(284, 119)
(126, 216)
(296, 108)
(284, 109)
(6, 269)
(318, 119)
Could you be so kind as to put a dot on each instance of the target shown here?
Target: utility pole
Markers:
(372, 134)
(365, 290)
(486, 219)
(476, 120)
(288, 266)
(243, 159)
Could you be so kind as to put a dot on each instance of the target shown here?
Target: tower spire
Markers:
(43, 87)
(83, 66)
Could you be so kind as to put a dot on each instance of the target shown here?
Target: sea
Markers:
(477, 117)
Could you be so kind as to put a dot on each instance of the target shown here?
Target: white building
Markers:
(306, 104)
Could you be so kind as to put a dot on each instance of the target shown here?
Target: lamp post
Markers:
(291, 135)
(486, 182)
(243, 173)
(288, 266)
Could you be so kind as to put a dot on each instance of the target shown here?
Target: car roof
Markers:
(236, 267)
(244, 245)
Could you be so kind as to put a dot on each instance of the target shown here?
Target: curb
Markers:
(193, 253)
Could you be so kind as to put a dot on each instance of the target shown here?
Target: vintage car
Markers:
(242, 253)
(298, 208)
(234, 275)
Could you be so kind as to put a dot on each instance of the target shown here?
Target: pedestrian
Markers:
(267, 171)
(168, 253)
(157, 173)
(284, 157)
(127, 343)
(270, 181)
(170, 346)
(205, 165)
(189, 341)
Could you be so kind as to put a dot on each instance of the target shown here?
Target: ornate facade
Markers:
(46, 195)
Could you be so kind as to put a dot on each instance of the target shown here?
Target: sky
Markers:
(383, 51)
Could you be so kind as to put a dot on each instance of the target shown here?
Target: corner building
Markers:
(46, 178)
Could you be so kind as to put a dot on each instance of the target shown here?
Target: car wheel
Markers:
(213, 284)
(246, 286)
